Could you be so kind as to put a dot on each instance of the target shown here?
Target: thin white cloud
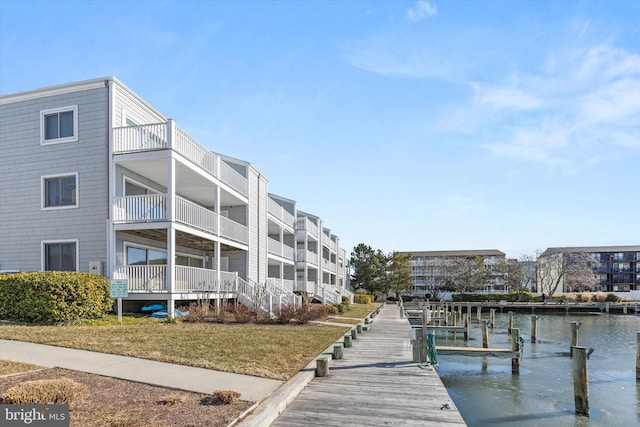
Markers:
(421, 10)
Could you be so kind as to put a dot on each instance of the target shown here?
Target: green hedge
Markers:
(53, 296)
(513, 296)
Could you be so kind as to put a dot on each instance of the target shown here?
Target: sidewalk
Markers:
(254, 389)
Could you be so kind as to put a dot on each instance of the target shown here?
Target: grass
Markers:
(9, 367)
(269, 351)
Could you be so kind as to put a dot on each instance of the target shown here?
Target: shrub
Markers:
(512, 296)
(53, 296)
(224, 397)
(45, 392)
(362, 299)
(332, 309)
(571, 297)
(586, 296)
(600, 296)
(613, 298)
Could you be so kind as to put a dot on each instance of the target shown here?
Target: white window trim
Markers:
(138, 183)
(73, 138)
(43, 191)
(43, 243)
(128, 244)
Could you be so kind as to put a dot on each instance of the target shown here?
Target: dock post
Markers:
(423, 336)
(359, 328)
(416, 334)
(492, 318)
(534, 328)
(515, 346)
(624, 308)
(454, 319)
(637, 356)
(466, 328)
(347, 341)
(485, 335)
(580, 380)
(479, 313)
(509, 322)
(337, 351)
(322, 367)
(574, 337)
(607, 307)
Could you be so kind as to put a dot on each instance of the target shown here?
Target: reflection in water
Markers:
(487, 394)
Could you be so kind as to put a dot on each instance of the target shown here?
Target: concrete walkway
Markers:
(162, 374)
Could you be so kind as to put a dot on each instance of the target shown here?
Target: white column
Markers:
(171, 233)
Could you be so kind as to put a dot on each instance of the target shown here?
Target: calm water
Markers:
(543, 392)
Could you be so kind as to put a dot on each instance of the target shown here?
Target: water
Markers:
(543, 392)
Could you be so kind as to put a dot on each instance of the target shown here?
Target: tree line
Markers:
(380, 273)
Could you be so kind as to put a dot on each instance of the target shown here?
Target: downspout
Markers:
(110, 238)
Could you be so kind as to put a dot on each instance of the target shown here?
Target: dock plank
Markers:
(375, 384)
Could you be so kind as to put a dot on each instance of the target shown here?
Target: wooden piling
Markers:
(624, 308)
(354, 333)
(509, 322)
(485, 335)
(515, 346)
(492, 318)
(479, 313)
(359, 328)
(322, 367)
(425, 322)
(347, 341)
(337, 350)
(534, 329)
(637, 355)
(466, 328)
(580, 380)
(574, 337)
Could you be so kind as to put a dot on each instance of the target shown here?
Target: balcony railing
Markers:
(278, 248)
(161, 136)
(153, 207)
(281, 213)
(153, 278)
(306, 224)
(307, 256)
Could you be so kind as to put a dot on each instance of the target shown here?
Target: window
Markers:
(60, 256)
(59, 191)
(59, 125)
(144, 256)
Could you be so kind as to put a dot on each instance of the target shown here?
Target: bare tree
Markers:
(529, 268)
(513, 274)
(466, 274)
(568, 267)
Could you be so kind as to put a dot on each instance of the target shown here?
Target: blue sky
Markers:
(405, 125)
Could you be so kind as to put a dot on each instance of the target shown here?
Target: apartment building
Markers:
(614, 268)
(95, 179)
(428, 269)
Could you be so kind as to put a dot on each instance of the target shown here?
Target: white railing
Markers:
(307, 256)
(281, 213)
(234, 231)
(196, 216)
(306, 224)
(193, 279)
(153, 207)
(140, 138)
(307, 286)
(276, 247)
(157, 136)
(144, 208)
(233, 178)
(143, 278)
(327, 295)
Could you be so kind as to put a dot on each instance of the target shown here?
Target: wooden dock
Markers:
(375, 384)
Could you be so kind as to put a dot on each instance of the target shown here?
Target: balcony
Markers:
(281, 214)
(278, 248)
(153, 208)
(306, 256)
(167, 136)
(153, 279)
(304, 224)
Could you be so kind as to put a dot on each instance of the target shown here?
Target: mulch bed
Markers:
(119, 403)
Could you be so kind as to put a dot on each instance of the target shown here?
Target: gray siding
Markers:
(23, 224)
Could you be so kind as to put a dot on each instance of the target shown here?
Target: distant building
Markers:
(428, 272)
(615, 268)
